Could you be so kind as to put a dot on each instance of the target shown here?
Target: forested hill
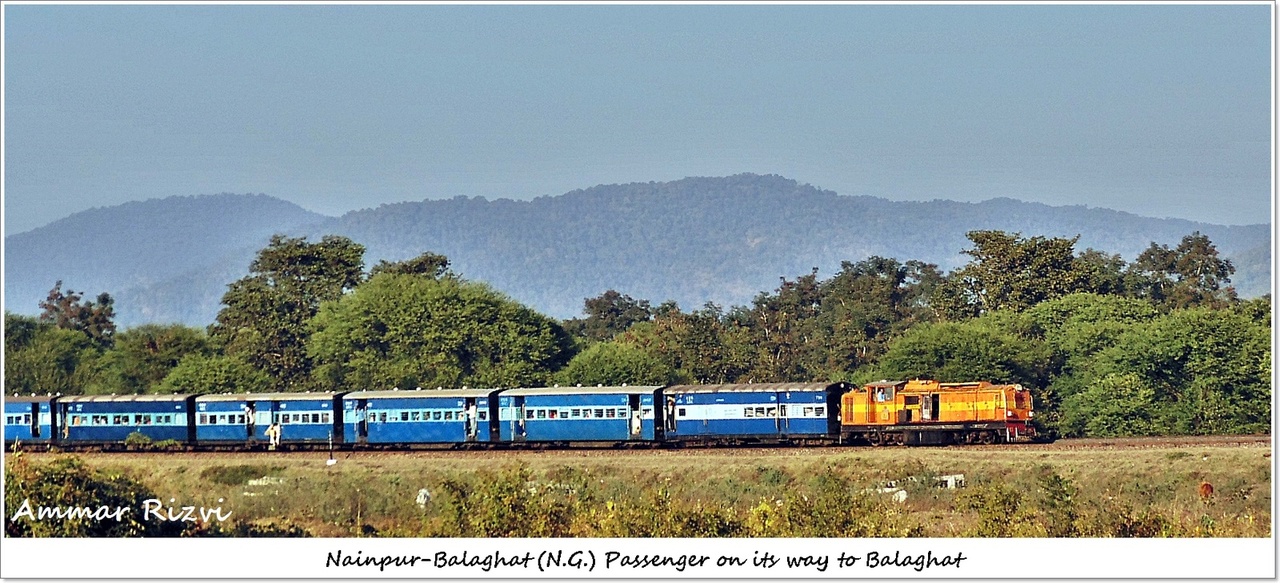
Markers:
(164, 260)
(693, 240)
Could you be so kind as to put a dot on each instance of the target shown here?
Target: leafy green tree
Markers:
(615, 364)
(1009, 272)
(1209, 371)
(55, 360)
(1102, 273)
(71, 312)
(265, 318)
(1114, 405)
(864, 306)
(428, 264)
(704, 346)
(144, 355)
(1078, 326)
(20, 331)
(1190, 275)
(407, 331)
(977, 350)
(785, 331)
(201, 374)
(608, 315)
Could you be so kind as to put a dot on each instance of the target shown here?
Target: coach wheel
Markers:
(987, 438)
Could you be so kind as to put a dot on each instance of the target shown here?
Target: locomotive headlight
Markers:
(1008, 413)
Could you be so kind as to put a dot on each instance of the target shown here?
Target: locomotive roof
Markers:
(754, 387)
(122, 398)
(266, 396)
(886, 384)
(421, 393)
(636, 390)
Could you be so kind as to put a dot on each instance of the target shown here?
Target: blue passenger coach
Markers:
(579, 414)
(111, 418)
(29, 419)
(302, 417)
(757, 412)
(432, 416)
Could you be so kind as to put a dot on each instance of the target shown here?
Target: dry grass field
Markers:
(1129, 489)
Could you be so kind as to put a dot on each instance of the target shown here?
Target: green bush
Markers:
(66, 482)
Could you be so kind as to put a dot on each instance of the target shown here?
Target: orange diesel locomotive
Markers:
(922, 412)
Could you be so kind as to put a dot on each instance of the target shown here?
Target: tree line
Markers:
(1161, 345)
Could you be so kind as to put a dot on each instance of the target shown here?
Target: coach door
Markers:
(250, 420)
(634, 422)
(362, 421)
(781, 421)
(517, 424)
(34, 416)
(470, 413)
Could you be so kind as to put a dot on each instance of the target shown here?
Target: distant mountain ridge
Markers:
(694, 240)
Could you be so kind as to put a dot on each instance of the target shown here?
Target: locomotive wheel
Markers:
(987, 437)
(874, 438)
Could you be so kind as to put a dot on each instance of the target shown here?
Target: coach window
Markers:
(324, 417)
(820, 411)
(240, 419)
(204, 419)
(528, 413)
(415, 416)
(382, 417)
(542, 413)
(552, 414)
(747, 412)
(682, 412)
(760, 412)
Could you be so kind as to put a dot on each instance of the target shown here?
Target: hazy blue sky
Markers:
(1157, 110)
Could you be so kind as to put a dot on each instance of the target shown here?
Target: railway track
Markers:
(1255, 441)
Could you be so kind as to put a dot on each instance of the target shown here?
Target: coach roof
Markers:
(267, 397)
(422, 394)
(598, 390)
(123, 398)
(755, 388)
